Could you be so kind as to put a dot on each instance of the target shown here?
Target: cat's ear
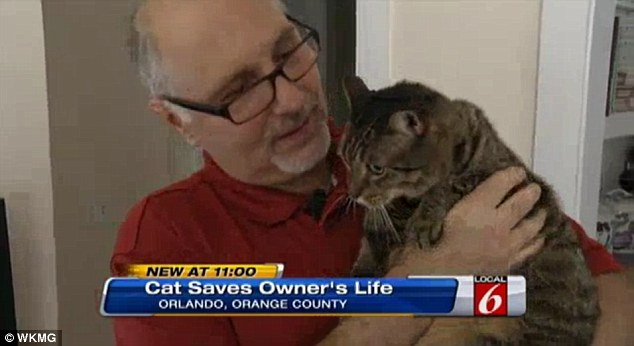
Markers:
(469, 114)
(467, 109)
(355, 89)
(407, 122)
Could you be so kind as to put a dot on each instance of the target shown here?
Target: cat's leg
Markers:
(471, 331)
(425, 226)
(365, 266)
(423, 230)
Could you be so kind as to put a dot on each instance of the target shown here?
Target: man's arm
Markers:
(616, 299)
(172, 331)
(475, 223)
(616, 292)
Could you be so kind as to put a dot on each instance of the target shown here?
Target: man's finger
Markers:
(491, 191)
(529, 251)
(528, 229)
(518, 205)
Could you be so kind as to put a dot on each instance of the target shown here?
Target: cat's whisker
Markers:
(376, 219)
(348, 204)
(388, 223)
(354, 207)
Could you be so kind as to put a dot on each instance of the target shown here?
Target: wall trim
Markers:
(573, 74)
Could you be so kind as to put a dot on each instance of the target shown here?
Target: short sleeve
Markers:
(170, 331)
(146, 236)
(598, 259)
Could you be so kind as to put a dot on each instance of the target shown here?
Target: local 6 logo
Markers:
(490, 296)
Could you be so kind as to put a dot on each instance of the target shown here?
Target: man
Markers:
(238, 79)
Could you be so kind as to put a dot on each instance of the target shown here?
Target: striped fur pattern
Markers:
(412, 154)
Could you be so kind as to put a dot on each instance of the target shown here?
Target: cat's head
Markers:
(399, 142)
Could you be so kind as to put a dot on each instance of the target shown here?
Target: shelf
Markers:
(623, 252)
(625, 6)
(619, 125)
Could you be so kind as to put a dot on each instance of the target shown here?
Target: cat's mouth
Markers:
(384, 199)
(372, 201)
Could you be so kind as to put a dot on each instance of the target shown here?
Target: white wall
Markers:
(484, 51)
(25, 164)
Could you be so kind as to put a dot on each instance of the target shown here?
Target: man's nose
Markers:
(289, 97)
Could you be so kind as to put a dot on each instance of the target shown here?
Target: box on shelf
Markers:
(615, 226)
(621, 89)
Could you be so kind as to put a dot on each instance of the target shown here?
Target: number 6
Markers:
(484, 302)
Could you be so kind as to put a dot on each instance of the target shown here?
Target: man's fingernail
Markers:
(534, 190)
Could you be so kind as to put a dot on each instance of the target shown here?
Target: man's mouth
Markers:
(295, 130)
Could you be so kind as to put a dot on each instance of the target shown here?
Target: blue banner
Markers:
(416, 295)
(345, 296)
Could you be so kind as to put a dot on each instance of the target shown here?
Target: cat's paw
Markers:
(424, 233)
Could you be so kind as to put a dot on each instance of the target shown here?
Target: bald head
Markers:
(153, 19)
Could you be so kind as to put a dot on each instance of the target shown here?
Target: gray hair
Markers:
(145, 53)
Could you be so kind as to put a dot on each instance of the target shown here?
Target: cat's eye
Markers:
(378, 170)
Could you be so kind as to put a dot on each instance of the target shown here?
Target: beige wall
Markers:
(485, 51)
(108, 151)
(25, 164)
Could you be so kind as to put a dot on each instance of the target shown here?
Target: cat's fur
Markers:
(414, 153)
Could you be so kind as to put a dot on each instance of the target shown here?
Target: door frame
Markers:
(373, 42)
(574, 61)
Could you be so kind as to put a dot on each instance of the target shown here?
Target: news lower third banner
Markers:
(413, 296)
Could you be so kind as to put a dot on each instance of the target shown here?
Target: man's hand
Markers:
(480, 234)
(616, 300)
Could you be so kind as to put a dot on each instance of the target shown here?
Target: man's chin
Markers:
(304, 159)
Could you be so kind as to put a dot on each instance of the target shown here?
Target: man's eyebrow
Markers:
(285, 37)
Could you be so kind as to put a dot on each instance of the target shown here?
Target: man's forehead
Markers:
(211, 37)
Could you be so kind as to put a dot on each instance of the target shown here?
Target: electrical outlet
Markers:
(97, 214)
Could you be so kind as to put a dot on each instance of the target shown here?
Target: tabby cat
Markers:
(413, 153)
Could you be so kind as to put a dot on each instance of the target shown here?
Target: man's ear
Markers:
(163, 110)
(166, 111)
(407, 122)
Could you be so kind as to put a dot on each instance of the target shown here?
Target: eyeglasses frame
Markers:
(223, 110)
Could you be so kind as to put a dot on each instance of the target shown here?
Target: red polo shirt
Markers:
(212, 218)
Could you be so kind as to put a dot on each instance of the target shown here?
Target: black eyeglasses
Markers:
(257, 97)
